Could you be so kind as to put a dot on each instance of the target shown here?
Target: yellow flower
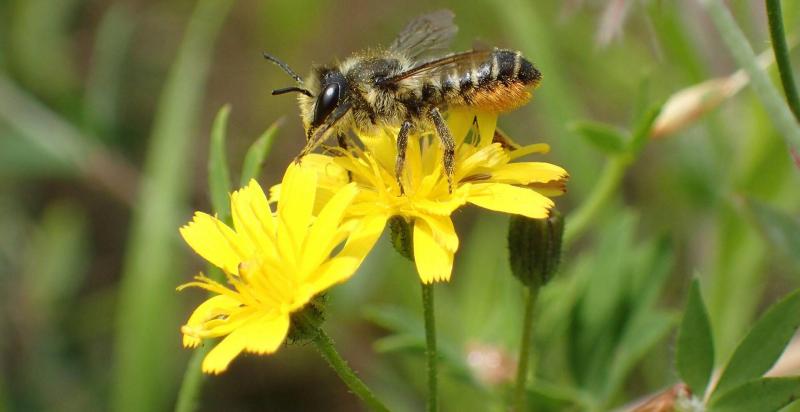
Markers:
(484, 176)
(274, 264)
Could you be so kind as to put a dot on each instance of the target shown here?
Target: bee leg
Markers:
(306, 149)
(299, 158)
(342, 140)
(447, 143)
(402, 144)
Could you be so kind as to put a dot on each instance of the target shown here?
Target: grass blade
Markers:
(104, 81)
(219, 180)
(257, 153)
(51, 134)
(146, 339)
(744, 56)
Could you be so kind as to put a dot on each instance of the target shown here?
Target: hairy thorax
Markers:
(375, 104)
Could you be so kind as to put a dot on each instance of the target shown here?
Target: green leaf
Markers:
(607, 138)
(781, 230)
(641, 130)
(759, 395)
(695, 353)
(258, 151)
(219, 181)
(762, 346)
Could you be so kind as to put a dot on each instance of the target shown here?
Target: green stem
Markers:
(781, 50)
(606, 186)
(524, 349)
(744, 56)
(430, 340)
(188, 394)
(324, 345)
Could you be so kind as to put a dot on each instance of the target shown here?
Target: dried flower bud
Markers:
(534, 247)
(402, 237)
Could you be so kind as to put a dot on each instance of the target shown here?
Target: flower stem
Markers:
(430, 339)
(524, 349)
(324, 345)
(606, 186)
(192, 382)
(781, 50)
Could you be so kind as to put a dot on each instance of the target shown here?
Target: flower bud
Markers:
(305, 323)
(402, 237)
(534, 247)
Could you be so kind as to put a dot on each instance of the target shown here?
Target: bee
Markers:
(401, 87)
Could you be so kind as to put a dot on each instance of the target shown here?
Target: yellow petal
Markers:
(550, 189)
(212, 307)
(443, 231)
(326, 168)
(266, 334)
(261, 334)
(252, 217)
(528, 172)
(204, 282)
(218, 359)
(331, 176)
(487, 157)
(330, 273)
(442, 207)
(298, 190)
(433, 260)
(215, 242)
(275, 193)
(487, 123)
(384, 147)
(318, 243)
(530, 149)
(222, 325)
(364, 236)
(459, 123)
(413, 170)
(510, 199)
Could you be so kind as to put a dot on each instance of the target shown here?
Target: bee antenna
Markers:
(283, 66)
(292, 89)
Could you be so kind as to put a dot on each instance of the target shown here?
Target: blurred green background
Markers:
(105, 115)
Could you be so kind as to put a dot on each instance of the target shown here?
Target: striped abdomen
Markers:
(498, 84)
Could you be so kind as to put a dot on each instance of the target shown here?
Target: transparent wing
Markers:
(457, 64)
(426, 34)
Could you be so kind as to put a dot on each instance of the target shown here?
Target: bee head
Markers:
(327, 104)
(322, 97)
(332, 92)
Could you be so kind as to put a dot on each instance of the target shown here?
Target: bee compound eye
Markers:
(326, 102)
